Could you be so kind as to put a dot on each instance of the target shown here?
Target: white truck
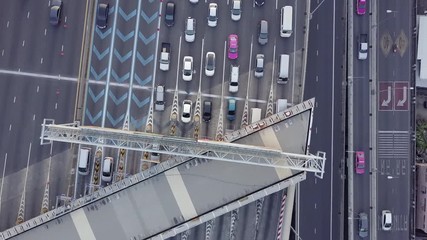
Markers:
(165, 56)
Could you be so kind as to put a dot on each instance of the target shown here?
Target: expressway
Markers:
(320, 201)
(38, 75)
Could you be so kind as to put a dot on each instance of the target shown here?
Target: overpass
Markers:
(180, 193)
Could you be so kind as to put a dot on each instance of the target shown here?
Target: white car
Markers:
(107, 169)
(194, 1)
(236, 10)
(190, 29)
(386, 220)
(210, 64)
(186, 111)
(187, 72)
(234, 79)
(259, 65)
(212, 15)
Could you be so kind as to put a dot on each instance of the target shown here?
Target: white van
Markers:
(160, 98)
(286, 21)
(234, 79)
(255, 114)
(283, 69)
(281, 105)
(84, 160)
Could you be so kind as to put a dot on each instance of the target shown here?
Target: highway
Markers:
(321, 199)
(38, 75)
(394, 130)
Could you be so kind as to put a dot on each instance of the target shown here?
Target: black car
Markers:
(207, 111)
(102, 15)
(170, 14)
(55, 12)
(259, 3)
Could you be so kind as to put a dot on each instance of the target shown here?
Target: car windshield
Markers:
(233, 50)
(187, 72)
(235, 11)
(361, 165)
(212, 18)
(362, 5)
(234, 84)
(186, 115)
(169, 17)
(231, 112)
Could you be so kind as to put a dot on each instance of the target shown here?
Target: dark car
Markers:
(259, 3)
(55, 12)
(102, 15)
(207, 110)
(170, 14)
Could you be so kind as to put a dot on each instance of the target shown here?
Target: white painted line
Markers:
(316, 130)
(250, 67)
(28, 164)
(315, 205)
(223, 71)
(34, 117)
(28, 14)
(317, 52)
(62, 48)
(7, 24)
(65, 19)
(23, 43)
(45, 31)
(179, 61)
(332, 121)
(317, 26)
(201, 65)
(180, 193)
(56, 106)
(2, 181)
(82, 225)
(10, 127)
(2, 52)
(41, 60)
(37, 75)
(317, 78)
(38, 88)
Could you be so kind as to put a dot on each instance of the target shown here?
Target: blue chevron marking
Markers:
(146, 40)
(99, 55)
(101, 34)
(144, 61)
(96, 75)
(122, 59)
(97, 97)
(91, 118)
(143, 82)
(125, 16)
(116, 100)
(147, 18)
(142, 103)
(123, 37)
(151, 1)
(120, 79)
(113, 121)
(138, 124)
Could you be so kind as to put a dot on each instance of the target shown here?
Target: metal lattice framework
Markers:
(180, 147)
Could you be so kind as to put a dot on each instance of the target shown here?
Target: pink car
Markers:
(361, 7)
(233, 46)
(360, 162)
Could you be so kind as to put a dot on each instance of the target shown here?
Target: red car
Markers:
(360, 162)
(233, 46)
(361, 7)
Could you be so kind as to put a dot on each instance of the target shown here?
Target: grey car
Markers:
(263, 32)
(55, 12)
(363, 225)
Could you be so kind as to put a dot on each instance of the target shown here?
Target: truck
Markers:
(165, 56)
(363, 47)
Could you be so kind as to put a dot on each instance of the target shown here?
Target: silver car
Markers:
(259, 67)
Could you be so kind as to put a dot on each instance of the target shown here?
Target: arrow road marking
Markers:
(405, 96)
(385, 103)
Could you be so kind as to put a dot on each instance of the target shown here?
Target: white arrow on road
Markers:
(386, 102)
(405, 96)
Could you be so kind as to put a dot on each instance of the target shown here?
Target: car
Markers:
(212, 15)
(361, 7)
(55, 12)
(386, 220)
(236, 10)
(155, 156)
(360, 162)
(190, 29)
(102, 15)
(234, 79)
(233, 46)
(259, 3)
(363, 47)
(207, 110)
(210, 64)
(186, 111)
(187, 72)
(231, 113)
(170, 14)
(263, 32)
(259, 66)
(107, 169)
(363, 225)
(194, 1)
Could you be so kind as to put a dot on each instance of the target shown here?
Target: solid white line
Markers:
(223, 71)
(45, 31)
(10, 127)
(23, 43)
(2, 178)
(7, 24)
(179, 62)
(28, 164)
(28, 14)
(201, 65)
(332, 120)
(37, 75)
(250, 68)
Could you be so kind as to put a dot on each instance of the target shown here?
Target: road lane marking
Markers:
(37, 75)
(10, 127)
(34, 117)
(2, 181)
(317, 52)
(45, 31)
(7, 24)
(2, 52)
(317, 26)
(201, 65)
(41, 60)
(317, 78)
(65, 19)
(28, 14)
(23, 43)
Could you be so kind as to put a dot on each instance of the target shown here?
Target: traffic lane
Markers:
(267, 228)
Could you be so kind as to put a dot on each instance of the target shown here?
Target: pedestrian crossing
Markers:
(393, 144)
